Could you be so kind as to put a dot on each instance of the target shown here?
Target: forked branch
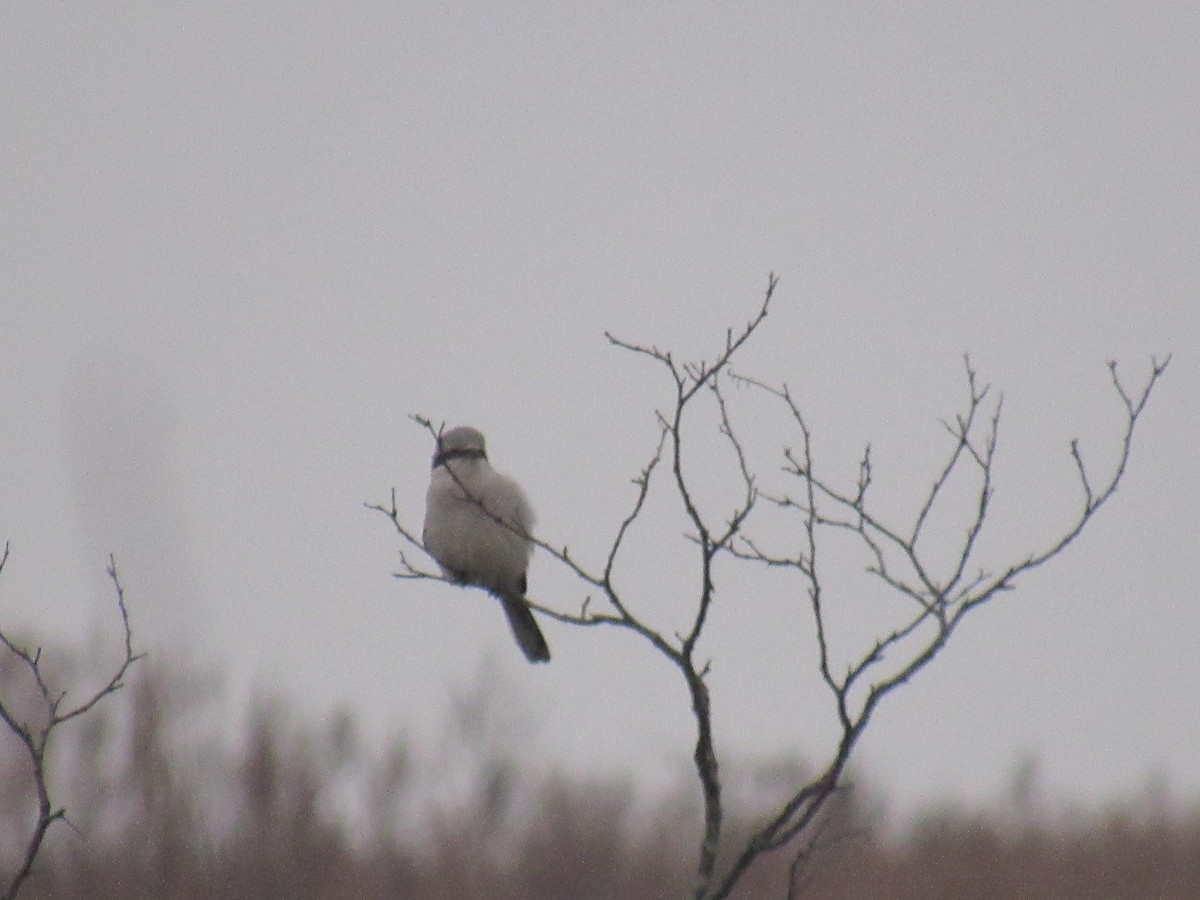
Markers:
(933, 597)
(942, 598)
(52, 711)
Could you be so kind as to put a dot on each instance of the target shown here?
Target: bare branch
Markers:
(643, 483)
(942, 603)
(742, 511)
(934, 595)
(961, 433)
(35, 737)
(1096, 498)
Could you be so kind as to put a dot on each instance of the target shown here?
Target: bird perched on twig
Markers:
(477, 524)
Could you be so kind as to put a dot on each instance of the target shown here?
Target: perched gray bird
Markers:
(477, 525)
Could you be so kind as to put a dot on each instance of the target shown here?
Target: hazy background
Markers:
(239, 244)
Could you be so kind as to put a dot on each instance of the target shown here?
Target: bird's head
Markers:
(463, 442)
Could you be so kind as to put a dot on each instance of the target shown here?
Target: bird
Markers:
(477, 528)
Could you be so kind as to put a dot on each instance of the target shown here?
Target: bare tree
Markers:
(36, 723)
(934, 598)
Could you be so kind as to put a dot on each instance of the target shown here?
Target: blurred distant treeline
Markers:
(166, 799)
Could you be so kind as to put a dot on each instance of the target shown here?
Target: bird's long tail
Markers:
(525, 629)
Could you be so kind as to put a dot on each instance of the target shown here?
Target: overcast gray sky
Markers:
(241, 242)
